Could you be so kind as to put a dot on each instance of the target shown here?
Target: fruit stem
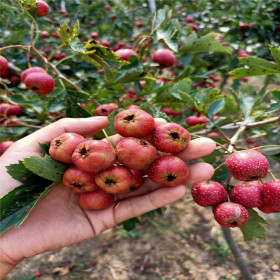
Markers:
(272, 175)
(266, 146)
(218, 144)
(107, 138)
(219, 166)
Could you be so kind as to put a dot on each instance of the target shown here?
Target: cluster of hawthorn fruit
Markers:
(148, 149)
(100, 171)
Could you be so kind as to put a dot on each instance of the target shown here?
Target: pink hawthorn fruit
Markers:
(104, 110)
(269, 208)
(229, 214)
(125, 53)
(96, 200)
(116, 179)
(105, 43)
(209, 193)
(247, 165)
(195, 120)
(42, 8)
(136, 182)
(31, 70)
(248, 194)
(170, 138)
(271, 192)
(94, 35)
(135, 153)
(242, 53)
(93, 156)
(3, 64)
(164, 57)
(63, 146)
(168, 171)
(41, 83)
(107, 7)
(45, 34)
(79, 181)
(170, 112)
(9, 110)
(139, 24)
(134, 123)
(4, 146)
(92, 23)
(189, 19)
(114, 16)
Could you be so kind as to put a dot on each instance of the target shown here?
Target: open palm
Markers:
(58, 221)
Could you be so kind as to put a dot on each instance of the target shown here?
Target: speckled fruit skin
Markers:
(209, 194)
(94, 155)
(170, 138)
(164, 57)
(116, 180)
(247, 165)
(96, 200)
(135, 153)
(269, 208)
(229, 214)
(134, 123)
(4, 146)
(271, 192)
(247, 194)
(3, 64)
(63, 146)
(125, 53)
(42, 8)
(168, 171)
(7, 110)
(79, 181)
(40, 83)
(104, 110)
(30, 70)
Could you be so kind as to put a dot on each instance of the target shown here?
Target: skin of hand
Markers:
(58, 221)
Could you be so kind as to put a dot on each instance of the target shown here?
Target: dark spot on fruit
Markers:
(104, 110)
(133, 188)
(175, 135)
(129, 118)
(78, 186)
(143, 143)
(253, 178)
(58, 143)
(84, 151)
(170, 178)
(34, 88)
(110, 182)
(234, 223)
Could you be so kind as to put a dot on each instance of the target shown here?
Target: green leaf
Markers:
(163, 116)
(276, 157)
(275, 52)
(76, 111)
(216, 107)
(19, 172)
(246, 105)
(18, 203)
(255, 67)
(253, 228)
(167, 35)
(275, 104)
(12, 132)
(64, 33)
(46, 167)
(158, 19)
(130, 224)
(44, 148)
(205, 43)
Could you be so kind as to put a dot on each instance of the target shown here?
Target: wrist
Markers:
(5, 268)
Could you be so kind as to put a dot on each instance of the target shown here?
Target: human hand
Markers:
(58, 221)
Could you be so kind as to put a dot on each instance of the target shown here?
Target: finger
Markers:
(83, 126)
(160, 121)
(136, 206)
(115, 139)
(197, 172)
(197, 148)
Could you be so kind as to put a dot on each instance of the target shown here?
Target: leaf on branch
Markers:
(205, 43)
(29, 6)
(216, 107)
(44, 148)
(255, 67)
(253, 228)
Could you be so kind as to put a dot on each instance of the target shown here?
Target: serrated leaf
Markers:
(255, 67)
(76, 111)
(64, 33)
(29, 6)
(46, 167)
(19, 172)
(12, 132)
(253, 228)
(162, 115)
(216, 107)
(167, 35)
(205, 43)
(246, 105)
(195, 128)
(20, 202)
(158, 19)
